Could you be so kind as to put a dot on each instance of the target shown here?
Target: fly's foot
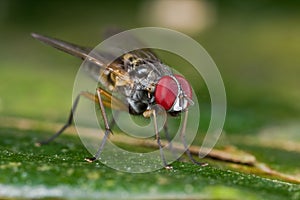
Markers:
(168, 167)
(201, 164)
(38, 144)
(90, 160)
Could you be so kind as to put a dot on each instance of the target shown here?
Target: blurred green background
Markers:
(255, 44)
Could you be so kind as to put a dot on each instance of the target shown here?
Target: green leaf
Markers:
(59, 170)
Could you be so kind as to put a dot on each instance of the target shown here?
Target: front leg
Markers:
(153, 112)
(186, 147)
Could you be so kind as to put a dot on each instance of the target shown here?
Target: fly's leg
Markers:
(167, 133)
(182, 136)
(71, 116)
(107, 132)
(69, 123)
(117, 105)
(158, 140)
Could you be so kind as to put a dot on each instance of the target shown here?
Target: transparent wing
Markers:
(75, 50)
(99, 61)
(145, 53)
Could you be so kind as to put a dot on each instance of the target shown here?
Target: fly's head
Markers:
(173, 93)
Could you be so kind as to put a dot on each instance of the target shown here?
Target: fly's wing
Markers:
(75, 50)
(145, 53)
(98, 61)
(140, 55)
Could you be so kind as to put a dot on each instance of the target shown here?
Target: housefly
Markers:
(140, 78)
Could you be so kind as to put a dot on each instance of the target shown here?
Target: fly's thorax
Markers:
(140, 95)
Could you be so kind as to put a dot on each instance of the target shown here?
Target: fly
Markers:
(140, 78)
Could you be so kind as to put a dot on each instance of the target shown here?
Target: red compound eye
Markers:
(186, 87)
(167, 90)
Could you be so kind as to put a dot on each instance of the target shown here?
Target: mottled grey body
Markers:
(140, 72)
